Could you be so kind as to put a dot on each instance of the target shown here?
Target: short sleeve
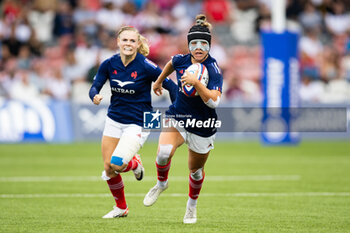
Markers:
(152, 69)
(176, 60)
(215, 77)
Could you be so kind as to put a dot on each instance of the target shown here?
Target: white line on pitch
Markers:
(149, 178)
(96, 195)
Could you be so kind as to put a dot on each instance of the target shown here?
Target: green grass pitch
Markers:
(248, 188)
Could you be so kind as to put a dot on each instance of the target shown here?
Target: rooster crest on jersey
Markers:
(202, 76)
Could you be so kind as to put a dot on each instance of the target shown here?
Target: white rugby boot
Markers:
(140, 170)
(117, 213)
(190, 215)
(153, 194)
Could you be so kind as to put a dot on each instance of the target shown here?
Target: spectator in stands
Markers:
(345, 66)
(310, 17)
(310, 52)
(24, 58)
(11, 10)
(12, 42)
(218, 11)
(330, 66)
(22, 88)
(311, 90)
(5, 56)
(56, 87)
(244, 16)
(187, 9)
(63, 21)
(23, 30)
(72, 72)
(338, 21)
(42, 21)
(140, 4)
(110, 16)
(165, 5)
(85, 18)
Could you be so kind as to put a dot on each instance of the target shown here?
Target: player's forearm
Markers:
(168, 69)
(94, 90)
(205, 93)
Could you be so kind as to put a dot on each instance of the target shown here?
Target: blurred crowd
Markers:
(51, 49)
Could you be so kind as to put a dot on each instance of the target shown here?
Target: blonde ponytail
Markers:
(144, 47)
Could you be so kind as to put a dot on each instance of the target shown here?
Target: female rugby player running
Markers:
(130, 75)
(199, 140)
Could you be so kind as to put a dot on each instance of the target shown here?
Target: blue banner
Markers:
(35, 121)
(280, 86)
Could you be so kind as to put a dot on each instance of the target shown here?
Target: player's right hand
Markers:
(97, 99)
(157, 89)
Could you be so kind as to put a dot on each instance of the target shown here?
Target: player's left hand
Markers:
(189, 79)
(97, 99)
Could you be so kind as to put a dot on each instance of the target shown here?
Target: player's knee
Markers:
(197, 175)
(118, 168)
(164, 154)
(107, 167)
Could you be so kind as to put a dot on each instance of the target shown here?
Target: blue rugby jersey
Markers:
(130, 87)
(193, 107)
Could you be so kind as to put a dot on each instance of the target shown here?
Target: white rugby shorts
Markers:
(198, 144)
(116, 130)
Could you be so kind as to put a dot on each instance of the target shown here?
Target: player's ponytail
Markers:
(144, 47)
(202, 21)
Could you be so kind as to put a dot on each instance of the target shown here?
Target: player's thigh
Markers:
(110, 139)
(108, 146)
(198, 150)
(171, 137)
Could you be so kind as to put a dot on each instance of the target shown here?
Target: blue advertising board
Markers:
(280, 86)
(35, 121)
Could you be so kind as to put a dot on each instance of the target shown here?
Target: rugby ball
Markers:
(202, 76)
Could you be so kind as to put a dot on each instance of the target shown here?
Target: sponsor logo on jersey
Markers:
(122, 84)
(115, 72)
(122, 90)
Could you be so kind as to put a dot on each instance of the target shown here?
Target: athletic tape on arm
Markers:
(213, 104)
